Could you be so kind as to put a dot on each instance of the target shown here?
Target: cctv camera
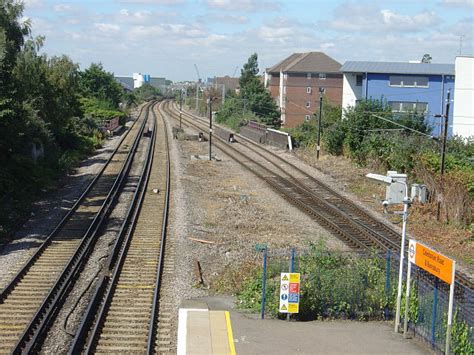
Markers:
(385, 203)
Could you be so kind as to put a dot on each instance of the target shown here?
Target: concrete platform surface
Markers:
(271, 336)
(204, 332)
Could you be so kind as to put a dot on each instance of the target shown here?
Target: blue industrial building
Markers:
(406, 87)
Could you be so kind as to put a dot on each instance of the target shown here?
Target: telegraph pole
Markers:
(318, 147)
(210, 127)
(443, 148)
(180, 105)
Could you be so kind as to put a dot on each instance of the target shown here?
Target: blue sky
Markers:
(166, 37)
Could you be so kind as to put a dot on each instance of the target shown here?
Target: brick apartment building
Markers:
(295, 83)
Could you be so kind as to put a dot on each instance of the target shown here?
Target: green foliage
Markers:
(98, 110)
(96, 82)
(413, 302)
(146, 92)
(334, 136)
(461, 336)
(234, 115)
(333, 285)
(257, 98)
(305, 134)
(253, 102)
(40, 107)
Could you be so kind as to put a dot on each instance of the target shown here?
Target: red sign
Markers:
(294, 288)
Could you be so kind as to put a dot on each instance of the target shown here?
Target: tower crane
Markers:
(198, 84)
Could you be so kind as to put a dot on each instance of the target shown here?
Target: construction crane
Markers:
(198, 84)
(197, 72)
(235, 71)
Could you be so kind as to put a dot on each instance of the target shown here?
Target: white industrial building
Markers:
(463, 114)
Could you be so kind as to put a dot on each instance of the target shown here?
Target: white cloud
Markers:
(107, 27)
(369, 18)
(62, 8)
(175, 31)
(243, 5)
(30, 4)
(458, 3)
(153, 2)
(224, 18)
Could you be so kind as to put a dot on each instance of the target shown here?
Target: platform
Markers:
(204, 331)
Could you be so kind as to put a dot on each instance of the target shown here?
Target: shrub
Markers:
(333, 138)
(333, 285)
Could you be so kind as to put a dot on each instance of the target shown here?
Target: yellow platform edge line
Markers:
(229, 333)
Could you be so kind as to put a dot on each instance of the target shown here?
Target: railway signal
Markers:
(388, 180)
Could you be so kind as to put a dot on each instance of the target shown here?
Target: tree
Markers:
(12, 122)
(254, 93)
(98, 83)
(146, 92)
(426, 58)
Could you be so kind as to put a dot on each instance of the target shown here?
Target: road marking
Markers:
(229, 333)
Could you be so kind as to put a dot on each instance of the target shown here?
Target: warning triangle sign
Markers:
(283, 308)
(285, 278)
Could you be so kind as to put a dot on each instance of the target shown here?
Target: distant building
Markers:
(227, 82)
(406, 87)
(463, 114)
(295, 83)
(137, 80)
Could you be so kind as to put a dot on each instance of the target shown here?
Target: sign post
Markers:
(438, 265)
(289, 292)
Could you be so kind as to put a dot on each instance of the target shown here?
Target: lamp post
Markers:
(406, 204)
(209, 101)
(318, 147)
(180, 105)
(443, 148)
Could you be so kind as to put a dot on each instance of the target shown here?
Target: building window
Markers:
(308, 76)
(358, 80)
(308, 104)
(285, 76)
(322, 76)
(308, 90)
(307, 117)
(403, 106)
(409, 81)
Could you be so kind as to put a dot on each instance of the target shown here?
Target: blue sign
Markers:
(284, 296)
(293, 298)
(146, 78)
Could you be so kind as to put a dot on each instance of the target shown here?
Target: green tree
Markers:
(426, 58)
(256, 97)
(98, 83)
(146, 92)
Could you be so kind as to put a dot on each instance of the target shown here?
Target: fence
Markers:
(364, 286)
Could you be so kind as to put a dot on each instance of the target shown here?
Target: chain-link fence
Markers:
(363, 286)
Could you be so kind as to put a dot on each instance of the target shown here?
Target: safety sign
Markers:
(289, 292)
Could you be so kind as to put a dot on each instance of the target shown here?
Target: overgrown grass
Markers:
(333, 285)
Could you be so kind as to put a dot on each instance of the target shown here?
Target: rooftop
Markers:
(310, 62)
(397, 68)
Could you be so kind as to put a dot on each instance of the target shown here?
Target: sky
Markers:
(167, 37)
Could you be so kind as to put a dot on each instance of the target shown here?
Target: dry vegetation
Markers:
(449, 238)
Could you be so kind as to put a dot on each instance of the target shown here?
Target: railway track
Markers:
(343, 217)
(125, 314)
(29, 303)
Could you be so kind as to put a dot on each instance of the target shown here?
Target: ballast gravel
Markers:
(47, 212)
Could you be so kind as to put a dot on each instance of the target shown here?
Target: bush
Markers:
(333, 138)
(333, 285)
